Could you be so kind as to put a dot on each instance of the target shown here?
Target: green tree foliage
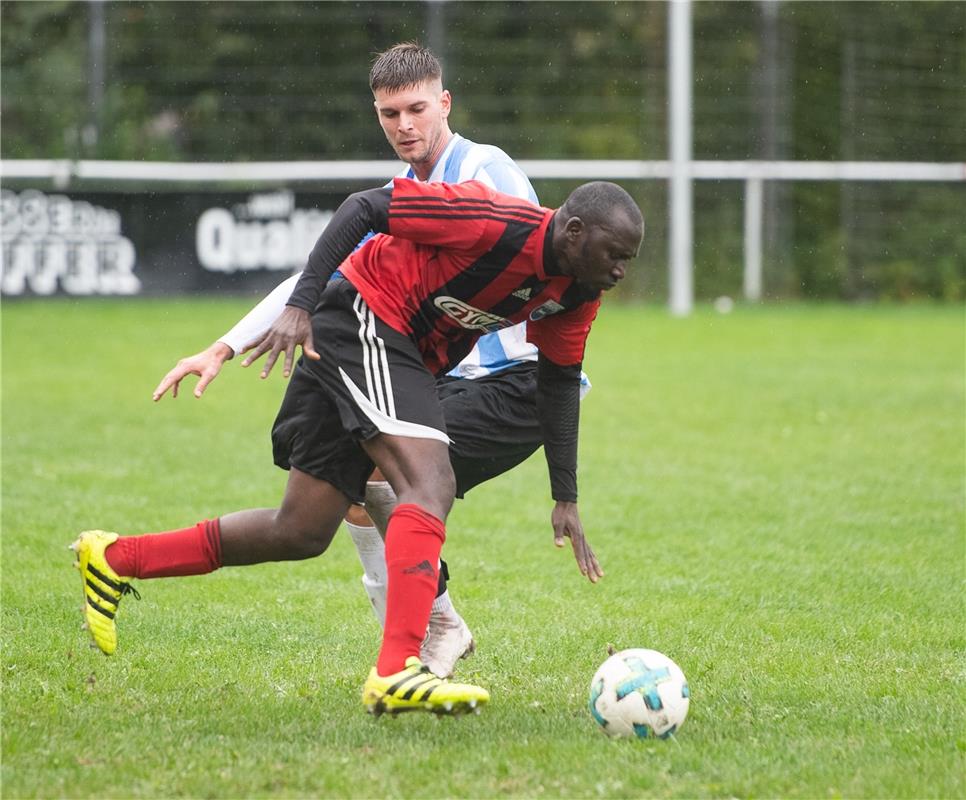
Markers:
(790, 80)
(44, 78)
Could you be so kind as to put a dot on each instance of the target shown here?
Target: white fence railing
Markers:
(62, 173)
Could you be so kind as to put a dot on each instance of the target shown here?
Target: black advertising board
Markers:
(151, 243)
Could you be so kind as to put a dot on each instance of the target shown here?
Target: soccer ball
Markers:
(639, 693)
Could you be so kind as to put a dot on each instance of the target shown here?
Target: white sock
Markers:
(378, 598)
(372, 554)
(380, 502)
(371, 550)
(443, 605)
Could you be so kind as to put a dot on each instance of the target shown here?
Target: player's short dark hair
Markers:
(596, 202)
(404, 65)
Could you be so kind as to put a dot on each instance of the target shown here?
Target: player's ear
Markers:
(445, 103)
(574, 228)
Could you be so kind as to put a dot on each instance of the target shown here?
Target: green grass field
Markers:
(776, 495)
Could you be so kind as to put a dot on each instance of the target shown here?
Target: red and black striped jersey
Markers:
(461, 260)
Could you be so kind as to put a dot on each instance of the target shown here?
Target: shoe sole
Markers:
(74, 547)
(86, 613)
(453, 708)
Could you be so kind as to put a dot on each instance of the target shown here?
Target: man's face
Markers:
(602, 251)
(414, 121)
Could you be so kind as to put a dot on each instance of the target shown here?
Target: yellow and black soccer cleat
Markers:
(415, 688)
(103, 587)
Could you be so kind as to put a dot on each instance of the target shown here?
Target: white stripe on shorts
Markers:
(387, 424)
(378, 402)
(375, 364)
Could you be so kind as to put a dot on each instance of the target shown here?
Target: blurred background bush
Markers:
(232, 81)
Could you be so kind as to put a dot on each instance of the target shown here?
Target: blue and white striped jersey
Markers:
(463, 160)
(500, 350)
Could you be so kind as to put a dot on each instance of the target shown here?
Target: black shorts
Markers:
(370, 379)
(492, 422)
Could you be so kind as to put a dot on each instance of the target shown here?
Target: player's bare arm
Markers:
(206, 365)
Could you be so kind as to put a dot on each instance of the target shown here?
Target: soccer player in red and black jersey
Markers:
(448, 263)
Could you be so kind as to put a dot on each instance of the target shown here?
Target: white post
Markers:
(753, 218)
(680, 251)
(96, 40)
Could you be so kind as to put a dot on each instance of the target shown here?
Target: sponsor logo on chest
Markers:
(466, 316)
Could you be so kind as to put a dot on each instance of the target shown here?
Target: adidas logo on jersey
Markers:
(523, 294)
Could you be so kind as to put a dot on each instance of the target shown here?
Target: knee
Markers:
(304, 540)
(447, 482)
(308, 544)
(438, 489)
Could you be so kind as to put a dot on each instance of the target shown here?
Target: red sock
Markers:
(413, 542)
(190, 551)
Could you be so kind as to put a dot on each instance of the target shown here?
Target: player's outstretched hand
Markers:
(293, 327)
(206, 365)
(566, 524)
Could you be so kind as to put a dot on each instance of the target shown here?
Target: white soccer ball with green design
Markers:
(640, 693)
